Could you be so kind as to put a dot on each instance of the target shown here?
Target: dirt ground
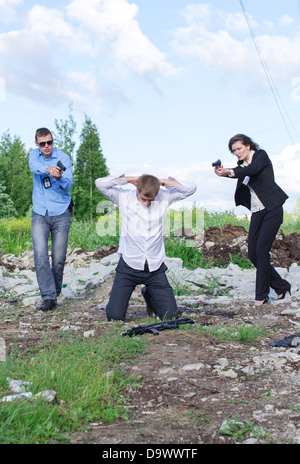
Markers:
(190, 383)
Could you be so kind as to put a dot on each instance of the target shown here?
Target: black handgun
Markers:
(155, 328)
(61, 166)
(216, 164)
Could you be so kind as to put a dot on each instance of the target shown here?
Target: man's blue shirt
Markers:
(56, 198)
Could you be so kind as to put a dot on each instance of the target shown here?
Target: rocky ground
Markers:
(194, 389)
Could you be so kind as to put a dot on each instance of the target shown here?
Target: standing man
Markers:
(52, 181)
(141, 246)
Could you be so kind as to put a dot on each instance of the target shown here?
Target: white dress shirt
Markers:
(141, 236)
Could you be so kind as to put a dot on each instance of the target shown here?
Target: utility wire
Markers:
(266, 71)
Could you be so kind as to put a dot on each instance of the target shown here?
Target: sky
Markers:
(166, 82)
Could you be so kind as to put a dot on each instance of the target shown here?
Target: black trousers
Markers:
(159, 292)
(263, 228)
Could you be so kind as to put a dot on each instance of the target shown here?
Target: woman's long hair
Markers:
(244, 139)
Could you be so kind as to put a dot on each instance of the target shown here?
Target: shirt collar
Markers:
(246, 163)
(53, 154)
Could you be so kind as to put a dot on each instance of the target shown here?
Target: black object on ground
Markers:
(157, 327)
(291, 341)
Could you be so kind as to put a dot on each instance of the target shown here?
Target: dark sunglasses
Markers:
(48, 142)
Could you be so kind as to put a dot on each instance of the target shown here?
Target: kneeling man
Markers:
(141, 246)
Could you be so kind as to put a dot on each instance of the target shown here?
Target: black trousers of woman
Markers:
(263, 228)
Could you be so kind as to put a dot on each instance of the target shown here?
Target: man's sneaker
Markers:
(47, 305)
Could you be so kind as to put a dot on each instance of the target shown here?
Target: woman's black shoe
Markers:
(282, 297)
(260, 303)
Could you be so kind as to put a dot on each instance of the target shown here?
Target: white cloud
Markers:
(41, 58)
(8, 9)
(286, 167)
(286, 20)
(217, 194)
(113, 24)
(220, 45)
(234, 22)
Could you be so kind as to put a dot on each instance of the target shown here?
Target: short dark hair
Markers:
(149, 185)
(42, 132)
(245, 141)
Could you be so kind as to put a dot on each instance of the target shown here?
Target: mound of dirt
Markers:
(220, 243)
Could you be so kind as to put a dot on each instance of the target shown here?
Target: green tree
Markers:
(15, 172)
(90, 164)
(7, 208)
(65, 130)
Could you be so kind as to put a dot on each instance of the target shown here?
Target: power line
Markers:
(266, 71)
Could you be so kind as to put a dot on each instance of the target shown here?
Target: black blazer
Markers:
(262, 181)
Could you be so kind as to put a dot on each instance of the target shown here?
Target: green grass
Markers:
(240, 431)
(243, 333)
(86, 377)
(15, 234)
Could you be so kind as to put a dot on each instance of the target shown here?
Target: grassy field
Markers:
(15, 234)
(86, 373)
(86, 377)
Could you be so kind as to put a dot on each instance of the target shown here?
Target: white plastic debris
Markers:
(47, 395)
(19, 388)
(9, 398)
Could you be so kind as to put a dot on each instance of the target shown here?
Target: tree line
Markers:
(88, 164)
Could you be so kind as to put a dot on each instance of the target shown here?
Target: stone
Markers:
(192, 367)
(229, 373)
(2, 349)
(32, 301)
(89, 333)
(86, 270)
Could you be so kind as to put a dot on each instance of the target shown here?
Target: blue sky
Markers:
(166, 82)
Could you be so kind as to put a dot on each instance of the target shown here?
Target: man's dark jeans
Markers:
(50, 278)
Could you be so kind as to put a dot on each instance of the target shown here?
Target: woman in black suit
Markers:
(256, 190)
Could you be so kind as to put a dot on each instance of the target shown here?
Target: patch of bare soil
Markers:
(191, 384)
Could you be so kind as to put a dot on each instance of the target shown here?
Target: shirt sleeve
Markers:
(66, 180)
(181, 191)
(108, 186)
(35, 165)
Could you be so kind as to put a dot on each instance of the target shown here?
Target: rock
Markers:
(228, 425)
(251, 441)
(192, 367)
(2, 349)
(89, 333)
(291, 313)
(32, 301)
(230, 373)
(86, 270)
(223, 363)
(165, 370)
